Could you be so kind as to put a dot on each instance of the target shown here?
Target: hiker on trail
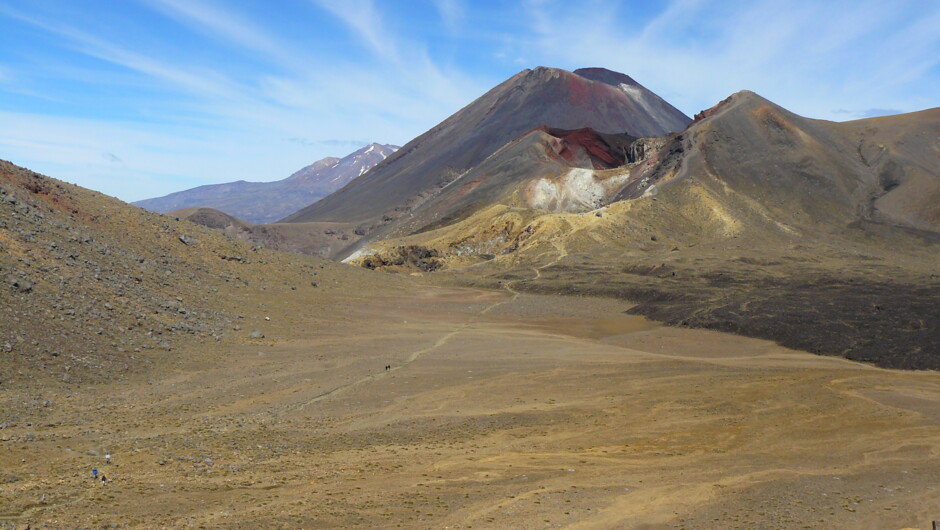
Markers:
(94, 473)
(104, 480)
(107, 458)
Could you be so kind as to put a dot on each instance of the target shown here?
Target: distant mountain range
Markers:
(744, 168)
(819, 235)
(267, 202)
(574, 142)
(606, 101)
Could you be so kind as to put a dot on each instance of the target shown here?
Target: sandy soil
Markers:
(499, 411)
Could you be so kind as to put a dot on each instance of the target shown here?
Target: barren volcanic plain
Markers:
(501, 410)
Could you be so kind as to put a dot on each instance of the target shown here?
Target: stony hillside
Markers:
(266, 202)
(760, 161)
(95, 289)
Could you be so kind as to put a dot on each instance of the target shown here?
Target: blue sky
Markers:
(139, 98)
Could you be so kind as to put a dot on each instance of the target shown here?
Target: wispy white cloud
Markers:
(363, 17)
(152, 161)
(224, 24)
(404, 83)
(220, 125)
(451, 13)
(403, 62)
(206, 82)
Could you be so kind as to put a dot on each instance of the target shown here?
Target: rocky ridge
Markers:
(266, 202)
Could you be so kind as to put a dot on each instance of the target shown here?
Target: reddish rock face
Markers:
(606, 151)
(582, 92)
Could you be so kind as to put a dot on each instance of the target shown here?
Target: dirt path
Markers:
(508, 286)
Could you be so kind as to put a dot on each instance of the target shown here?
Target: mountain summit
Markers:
(605, 101)
(265, 202)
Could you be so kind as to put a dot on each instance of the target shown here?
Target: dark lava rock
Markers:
(19, 284)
